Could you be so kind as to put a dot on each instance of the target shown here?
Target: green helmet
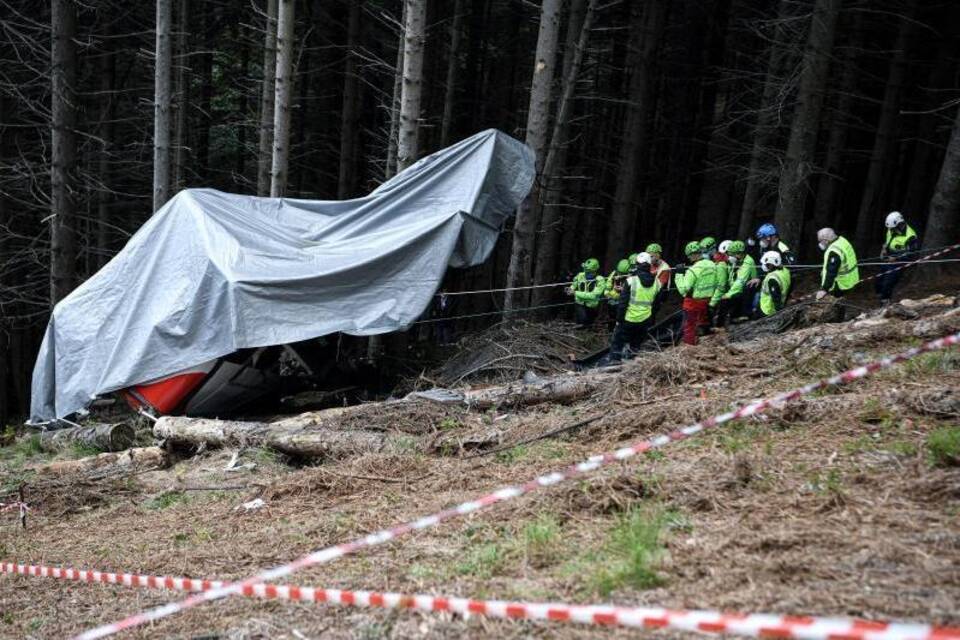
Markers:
(708, 243)
(632, 258)
(736, 246)
(591, 264)
(691, 248)
(623, 266)
(653, 247)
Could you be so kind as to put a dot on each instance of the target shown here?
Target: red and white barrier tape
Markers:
(510, 492)
(10, 506)
(756, 625)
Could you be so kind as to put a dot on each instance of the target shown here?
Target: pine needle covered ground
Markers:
(844, 503)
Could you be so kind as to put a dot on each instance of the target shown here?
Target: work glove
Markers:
(680, 269)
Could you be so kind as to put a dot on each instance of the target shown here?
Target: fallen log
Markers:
(209, 432)
(308, 438)
(103, 437)
(107, 464)
(558, 389)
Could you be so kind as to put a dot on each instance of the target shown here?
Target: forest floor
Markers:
(846, 503)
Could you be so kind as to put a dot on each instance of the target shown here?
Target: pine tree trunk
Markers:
(798, 164)
(874, 192)
(350, 113)
(453, 70)
(267, 91)
(180, 129)
(105, 194)
(923, 163)
(205, 112)
(764, 131)
(943, 222)
(414, 35)
(548, 247)
(832, 179)
(646, 26)
(162, 97)
(391, 166)
(538, 121)
(63, 72)
(284, 89)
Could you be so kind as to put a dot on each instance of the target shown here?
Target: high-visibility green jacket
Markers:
(723, 282)
(588, 292)
(849, 274)
(767, 304)
(640, 307)
(610, 292)
(746, 272)
(699, 281)
(897, 242)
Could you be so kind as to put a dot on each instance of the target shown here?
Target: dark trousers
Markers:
(586, 316)
(727, 308)
(887, 281)
(629, 333)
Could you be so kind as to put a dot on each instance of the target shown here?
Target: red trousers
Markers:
(694, 315)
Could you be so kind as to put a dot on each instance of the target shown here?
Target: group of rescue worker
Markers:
(719, 283)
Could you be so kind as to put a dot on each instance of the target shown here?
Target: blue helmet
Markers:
(766, 230)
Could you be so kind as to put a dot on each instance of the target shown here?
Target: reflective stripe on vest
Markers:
(848, 275)
(899, 242)
(581, 283)
(641, 299)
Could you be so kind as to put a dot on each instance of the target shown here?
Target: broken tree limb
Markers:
(106, 464)
(103, 437)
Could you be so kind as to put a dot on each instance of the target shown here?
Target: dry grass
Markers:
(826, 506)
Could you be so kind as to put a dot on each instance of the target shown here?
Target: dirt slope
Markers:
(834, 505)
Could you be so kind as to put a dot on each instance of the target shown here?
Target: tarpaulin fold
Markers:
(213, 272)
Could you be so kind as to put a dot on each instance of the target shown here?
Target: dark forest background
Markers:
(653, 120)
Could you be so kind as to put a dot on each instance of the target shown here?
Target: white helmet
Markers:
(644, 258)
(771, 260)
(724, 246)
(894, 220)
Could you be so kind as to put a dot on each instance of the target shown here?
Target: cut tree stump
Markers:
(107, 464)
(103, 437)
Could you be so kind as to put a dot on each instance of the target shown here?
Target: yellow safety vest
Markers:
(849, 274)
(782, 276)
(641, 299)
(898, 242)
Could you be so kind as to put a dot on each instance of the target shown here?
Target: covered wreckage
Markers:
(212, 274)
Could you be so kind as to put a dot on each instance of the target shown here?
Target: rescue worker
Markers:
(587, 290)
(738, 299)
(660, 268)
(614, 286)
(840, 273)
(696, 283)
(769, 240)
(636, 313)
(776, 284)
(719, 257)
(901, 241)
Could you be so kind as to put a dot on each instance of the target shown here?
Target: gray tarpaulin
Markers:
(214, 272)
